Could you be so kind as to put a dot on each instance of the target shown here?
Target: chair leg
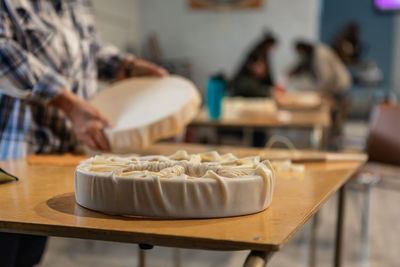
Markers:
(367, 180)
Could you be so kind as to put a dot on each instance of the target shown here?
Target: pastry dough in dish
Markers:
(203, 185)
(144, 110)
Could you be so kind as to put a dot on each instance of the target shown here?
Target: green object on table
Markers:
(5, 177)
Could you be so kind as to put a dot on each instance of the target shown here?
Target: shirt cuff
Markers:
(109, 66)
(49, 86)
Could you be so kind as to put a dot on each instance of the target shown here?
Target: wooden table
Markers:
(42, 202)
(316, 120)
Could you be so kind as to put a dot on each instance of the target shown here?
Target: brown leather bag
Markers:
(383, 144)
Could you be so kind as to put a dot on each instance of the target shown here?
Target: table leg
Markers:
(339, 226)
(142, 257)
(214, 136)
(177, 257)
(142, 254)
(248, 134)
(257, 258)
(318, 138)
(180, 138)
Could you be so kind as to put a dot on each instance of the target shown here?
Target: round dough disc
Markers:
(144, 110)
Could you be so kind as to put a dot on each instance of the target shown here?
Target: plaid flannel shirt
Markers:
(50, 46)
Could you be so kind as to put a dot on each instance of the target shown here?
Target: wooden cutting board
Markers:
(309, 155)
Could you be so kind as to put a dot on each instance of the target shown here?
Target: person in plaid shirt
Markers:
(51, 60)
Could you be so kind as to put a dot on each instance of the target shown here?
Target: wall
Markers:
(376, 30)
(118, 22)
(215, 41)
(396, 53)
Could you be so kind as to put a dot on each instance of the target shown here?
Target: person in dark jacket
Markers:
(347, 44)
(254, 77)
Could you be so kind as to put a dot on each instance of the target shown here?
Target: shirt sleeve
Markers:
(108, 60)
(23, 75)
(326, 80)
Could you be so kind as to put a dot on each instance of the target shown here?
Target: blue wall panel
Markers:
(376, 30)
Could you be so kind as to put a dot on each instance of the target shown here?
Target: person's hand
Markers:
(134, 67)
(290, 74)
(258, 69)
(326, 99)
(87, 121)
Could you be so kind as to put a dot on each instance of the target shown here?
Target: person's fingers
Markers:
(96, 141)
(161, 72)
(87, 140)
(100, 140)
(144, 68)
(103, 119)
(155, 70)
(95, 134)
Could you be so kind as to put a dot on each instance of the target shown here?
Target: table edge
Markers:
(134, 237)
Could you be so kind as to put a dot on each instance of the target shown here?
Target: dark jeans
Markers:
(19, 250)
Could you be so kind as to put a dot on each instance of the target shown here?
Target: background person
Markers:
(324, 69)
(327, 75)
(254, 77)
(347, 44)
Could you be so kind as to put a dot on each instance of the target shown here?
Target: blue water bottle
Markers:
(215, 93)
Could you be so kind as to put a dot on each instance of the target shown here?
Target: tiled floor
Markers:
(384, 239)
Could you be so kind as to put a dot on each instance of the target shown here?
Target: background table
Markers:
(43, 202)
(316, 120)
